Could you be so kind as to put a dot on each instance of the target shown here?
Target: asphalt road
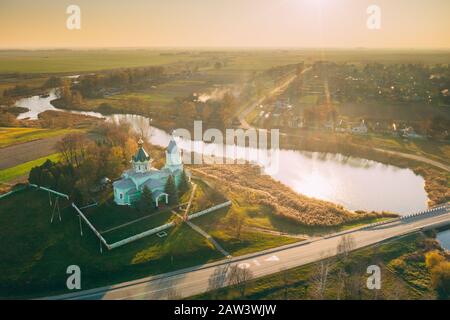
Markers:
(20, 153)
(192, 281)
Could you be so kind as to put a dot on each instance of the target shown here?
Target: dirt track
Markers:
(14, 155)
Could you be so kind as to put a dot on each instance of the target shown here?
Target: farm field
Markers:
(11, 136)
(67, 61)
(63, 61)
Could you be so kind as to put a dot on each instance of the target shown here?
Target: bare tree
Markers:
(217, 280)
(341, 275)
(73, 148)
(172, 294)
(344, 247)
(356, 281)
(236, 221)
(286, 278)
(239, 276)
(319, 280)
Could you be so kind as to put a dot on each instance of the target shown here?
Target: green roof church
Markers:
(129, 188)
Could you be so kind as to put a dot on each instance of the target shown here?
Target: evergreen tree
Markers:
(47, 164)
(47, 179)
(171, 190)
(184, 184)
(146, 201)
(35, 176)
(64, 183)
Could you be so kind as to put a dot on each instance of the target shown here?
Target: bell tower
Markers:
(173, 156)
(141, 160)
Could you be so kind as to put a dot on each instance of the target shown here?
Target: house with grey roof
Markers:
(129, 188)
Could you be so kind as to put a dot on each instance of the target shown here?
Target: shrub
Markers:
(440, 278)
(433, 259)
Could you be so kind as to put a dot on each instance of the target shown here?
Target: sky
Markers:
(225, 23)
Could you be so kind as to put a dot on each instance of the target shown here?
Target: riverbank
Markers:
(275, 205)
(437, 181)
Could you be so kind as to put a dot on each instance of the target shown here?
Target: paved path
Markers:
(208, 237)
(195, 280)
(204, 234)
(417, 158)
(278, 233)
(12, 156)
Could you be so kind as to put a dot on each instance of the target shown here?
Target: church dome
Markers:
(141, 155)
(172, 147)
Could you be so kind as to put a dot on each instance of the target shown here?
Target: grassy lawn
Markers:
(154, 221)
(24, 168)
(412, 281)
(11, 136)
(108, 215)
(217, 226)
(35, 253)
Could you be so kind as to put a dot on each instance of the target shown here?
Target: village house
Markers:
(129, 188)
(329, 125)
(361, 128)
(341, 127)
(295, 122)
(409, 132)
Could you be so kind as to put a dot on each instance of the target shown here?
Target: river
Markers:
(355, 183)
(444, 239)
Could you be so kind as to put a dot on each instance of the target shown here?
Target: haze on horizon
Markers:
(225, 23)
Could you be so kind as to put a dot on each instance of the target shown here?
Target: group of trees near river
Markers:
(100, 85)
(86, 160)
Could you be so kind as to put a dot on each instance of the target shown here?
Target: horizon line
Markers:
(37, 48)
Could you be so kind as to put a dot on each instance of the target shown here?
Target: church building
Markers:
(129, 188)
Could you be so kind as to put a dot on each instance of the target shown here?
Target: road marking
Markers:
(272, 259)
(244, 266)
